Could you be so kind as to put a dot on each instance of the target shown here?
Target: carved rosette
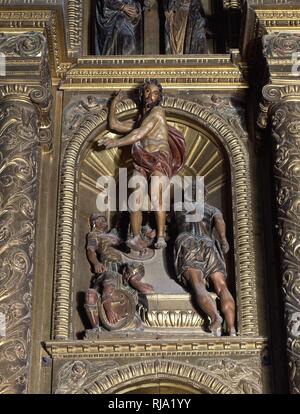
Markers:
(282, 107)
(23, 127)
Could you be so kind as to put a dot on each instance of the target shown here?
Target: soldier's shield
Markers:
(123, 305)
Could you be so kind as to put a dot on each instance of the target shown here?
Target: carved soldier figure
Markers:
(116, 27)
(185, 27)
(199, 261)
(115, 283)
(157, 150)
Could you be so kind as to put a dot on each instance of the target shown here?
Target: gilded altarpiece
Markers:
(53, 111)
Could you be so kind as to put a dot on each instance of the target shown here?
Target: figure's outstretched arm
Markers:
(122, 127)
(134, 136)
(220, 227)
(92, 256)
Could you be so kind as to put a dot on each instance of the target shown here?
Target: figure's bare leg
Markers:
(226, 300)
(136, 243)
(136, 218)
(110, 314)
(197, 283)
(160, 214)
(144, 288)
(91, 299)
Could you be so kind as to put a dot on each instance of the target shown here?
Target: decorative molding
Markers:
(281, 107)
(25, 125)
(45, 21)
(280, 18)
(20, 134)
(75, 25)
(271, 2)
(189, 71)
(240, 176)
(23, 45)
(171, 319)
(286, 133)
(242, 375)
(281, 45)
(224, 376)
(141, 345)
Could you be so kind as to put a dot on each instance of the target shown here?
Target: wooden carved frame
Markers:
(241, 207)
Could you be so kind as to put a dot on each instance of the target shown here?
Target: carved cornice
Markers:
(279, 18)
(185, 72)
(48, 22)
(274, 3)
(245, 267)
(141, 345)
(263, 18)
(26, 59)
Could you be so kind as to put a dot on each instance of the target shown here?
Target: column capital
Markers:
(27, 79)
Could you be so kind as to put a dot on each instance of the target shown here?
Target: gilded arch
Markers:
(119, 379)
(241, 207)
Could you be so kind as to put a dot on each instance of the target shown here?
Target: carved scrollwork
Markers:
(244, 375)
(80, 111)
(18, 167)
(281, 45)
(23, 112)
(23, 45)
(271, 93)
(36, 123)
(285, 121)
(217, 376)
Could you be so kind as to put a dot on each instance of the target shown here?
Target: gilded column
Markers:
(281, 108)
(24, 128)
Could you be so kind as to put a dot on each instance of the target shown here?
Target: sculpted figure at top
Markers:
(185, 27)
(117, 27)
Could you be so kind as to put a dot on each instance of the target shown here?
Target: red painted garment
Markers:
(168, 164)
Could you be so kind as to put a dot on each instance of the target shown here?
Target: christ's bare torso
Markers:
(157, 136)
